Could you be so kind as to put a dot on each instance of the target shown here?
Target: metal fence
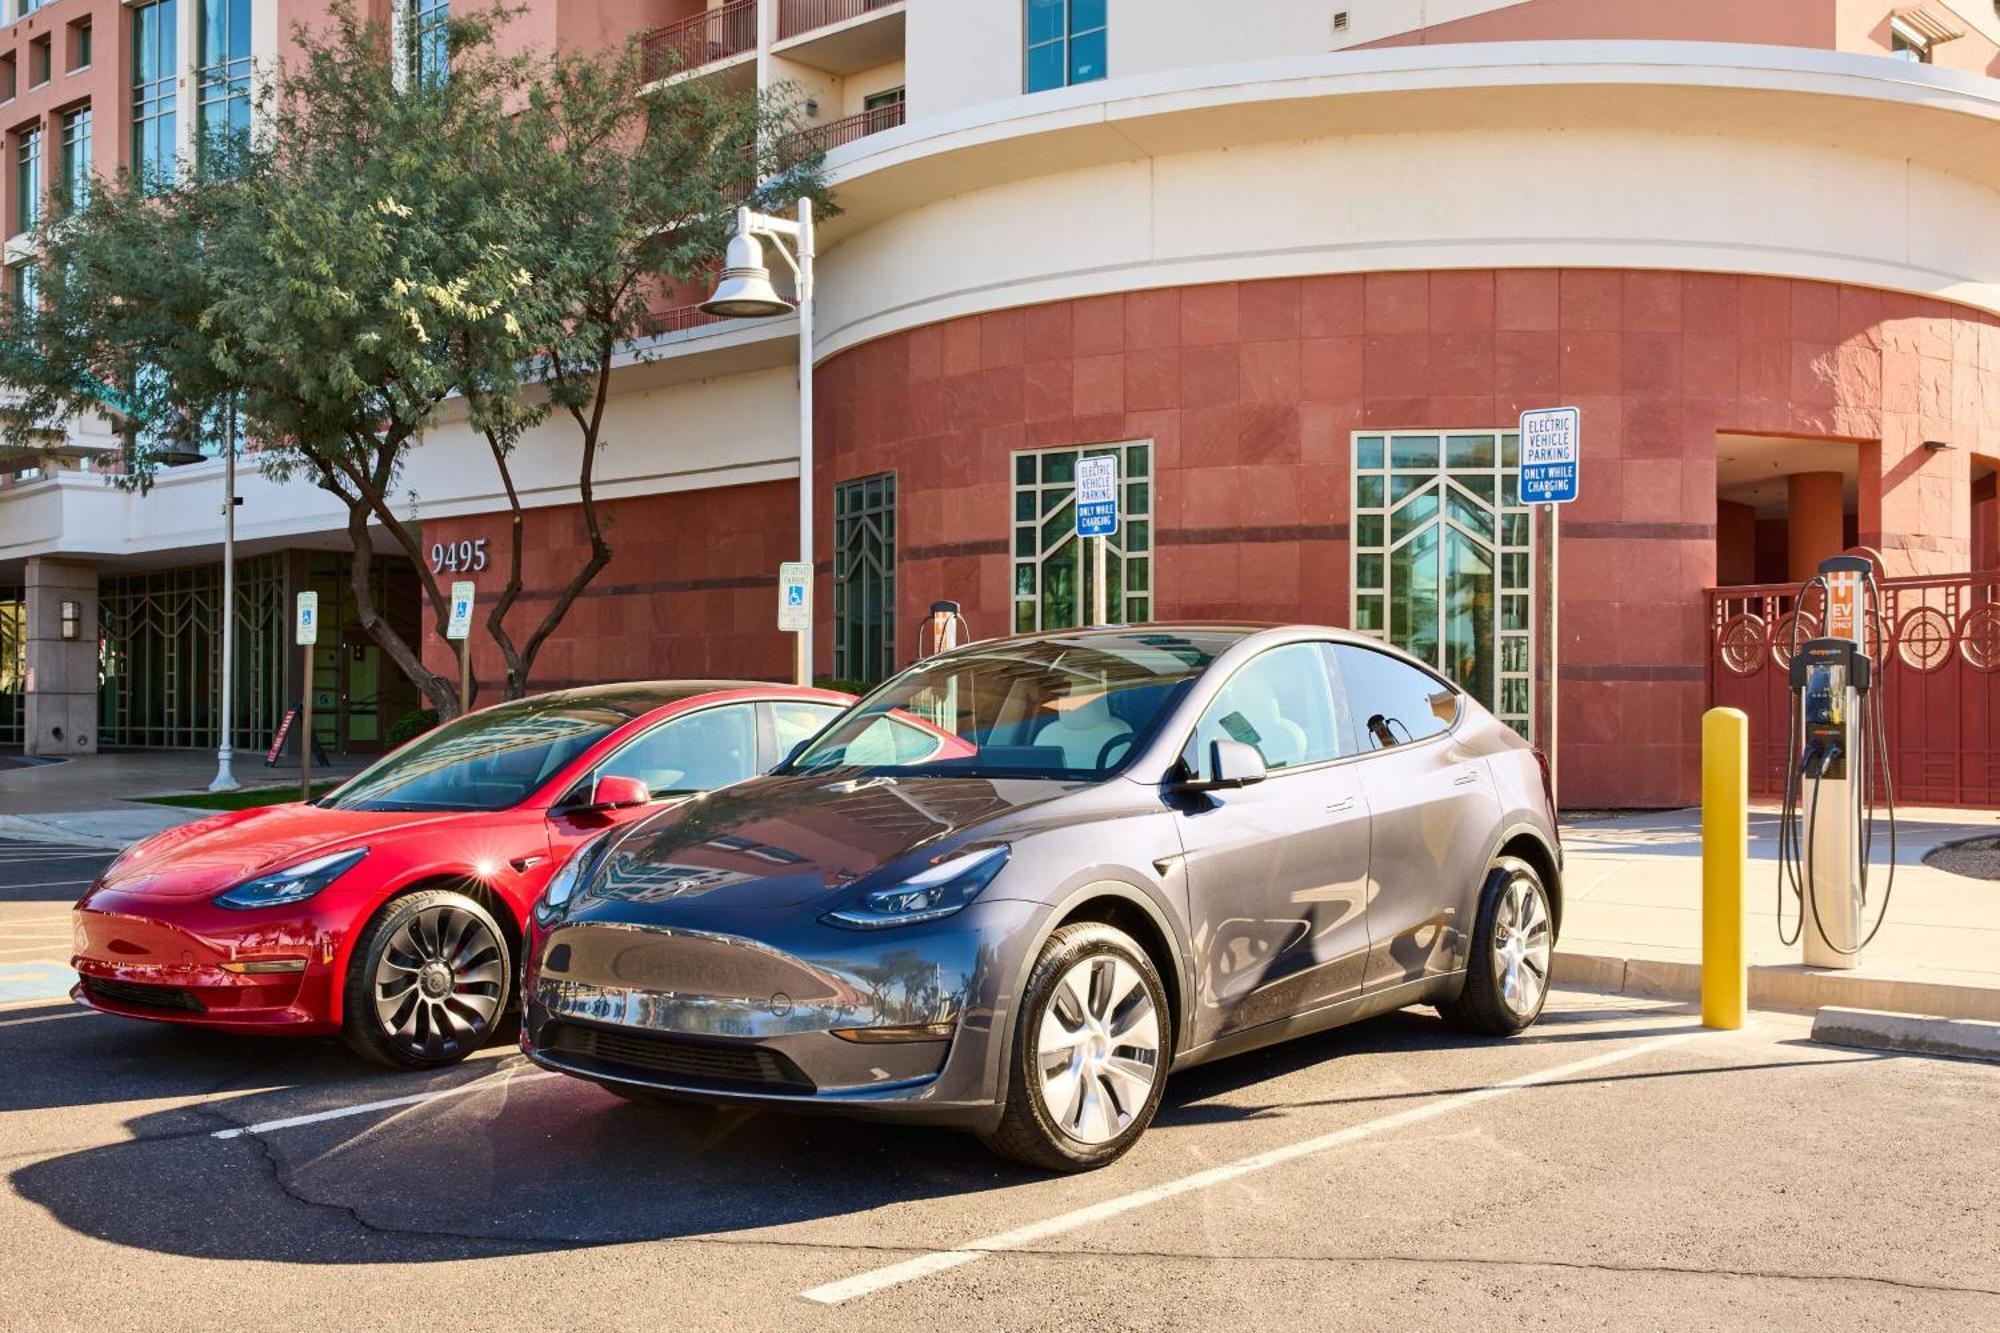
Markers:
(1936, 642)
(160, 655)
(701, 39)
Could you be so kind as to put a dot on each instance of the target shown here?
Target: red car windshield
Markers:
(489, 760)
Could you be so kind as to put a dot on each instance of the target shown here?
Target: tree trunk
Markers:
(436, 689)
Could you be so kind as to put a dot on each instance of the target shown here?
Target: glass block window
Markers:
(222, 76)
(864, 578)
(154, 69)
(1443, 559)
(1065, 43)
(1053, 571)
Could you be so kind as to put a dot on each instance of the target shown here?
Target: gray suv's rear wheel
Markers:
(1090, 1052)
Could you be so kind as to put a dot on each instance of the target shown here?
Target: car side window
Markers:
(793, 723)
(1392, 702)
(1282, 703)
(699, 752)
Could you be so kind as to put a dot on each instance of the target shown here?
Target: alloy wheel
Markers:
(1098, 1049)
(440, 981)
(1521, 946)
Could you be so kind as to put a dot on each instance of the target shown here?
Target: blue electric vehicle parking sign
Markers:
(1097, 496)
(1551, 446)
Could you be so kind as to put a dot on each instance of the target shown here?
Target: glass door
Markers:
(1443, 559)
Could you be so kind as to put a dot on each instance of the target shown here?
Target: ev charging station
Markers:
(1837, 757)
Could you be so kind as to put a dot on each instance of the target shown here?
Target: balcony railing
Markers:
(704, 38)
(847, 129)
(797, 16)
(681, 318)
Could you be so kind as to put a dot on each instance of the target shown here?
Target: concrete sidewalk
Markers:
(1632, 918)
(90, 799)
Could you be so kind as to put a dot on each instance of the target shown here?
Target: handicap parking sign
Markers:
(795, 596)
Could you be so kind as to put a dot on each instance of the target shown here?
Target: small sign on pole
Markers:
(460, 625)
(1551, 461)
(458, 629)
(1551, 445)
(306, 634)
(795, 596)
(1097, 519)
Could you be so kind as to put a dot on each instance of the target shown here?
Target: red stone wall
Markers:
(1251, 391)
(691, 591)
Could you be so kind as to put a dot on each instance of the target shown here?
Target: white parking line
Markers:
(366, 1108)
(46, 1018)
(879, 1279)
(48, 949)
(48, 884)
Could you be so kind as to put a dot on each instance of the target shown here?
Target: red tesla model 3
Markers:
(390, 911)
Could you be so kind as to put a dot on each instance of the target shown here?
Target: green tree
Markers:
(628, 183)
(382, 246)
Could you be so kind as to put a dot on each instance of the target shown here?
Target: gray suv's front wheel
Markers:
(1090, 1052)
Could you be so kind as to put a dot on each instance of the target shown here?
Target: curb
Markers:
(22, 826)
(1781, 987)
(1924, 1034)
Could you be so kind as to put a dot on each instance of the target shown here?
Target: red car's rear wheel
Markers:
(428, 982)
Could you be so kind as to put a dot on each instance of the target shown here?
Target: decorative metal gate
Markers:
(161, 653)
(1936, 644)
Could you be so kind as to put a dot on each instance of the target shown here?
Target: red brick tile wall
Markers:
(1251, 390)
(691, 590)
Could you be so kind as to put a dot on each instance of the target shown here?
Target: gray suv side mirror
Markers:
(1231, 764)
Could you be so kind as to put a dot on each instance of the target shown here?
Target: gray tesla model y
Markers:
(1018, 883)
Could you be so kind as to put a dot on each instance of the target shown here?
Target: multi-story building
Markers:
(1299, 264)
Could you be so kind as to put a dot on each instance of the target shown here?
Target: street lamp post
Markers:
(745, 292)
(225, 750)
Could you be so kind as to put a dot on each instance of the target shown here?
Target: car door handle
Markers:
(521, 863)
(1341, 807)
(1466, 779)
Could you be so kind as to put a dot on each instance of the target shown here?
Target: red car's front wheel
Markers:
(427, 983)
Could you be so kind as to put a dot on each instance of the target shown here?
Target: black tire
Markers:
(1485, 1005)
(429, 928)
(1029, 1132)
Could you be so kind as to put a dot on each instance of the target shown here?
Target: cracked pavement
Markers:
(1747, 1179)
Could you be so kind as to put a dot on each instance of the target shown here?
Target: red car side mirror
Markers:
(614, 793)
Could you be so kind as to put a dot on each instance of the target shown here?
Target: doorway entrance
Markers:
(1443, 559)
(358, 693)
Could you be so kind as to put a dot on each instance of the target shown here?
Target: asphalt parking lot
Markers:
(1617, 1167)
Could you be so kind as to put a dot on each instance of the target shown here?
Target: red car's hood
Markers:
(212, 854)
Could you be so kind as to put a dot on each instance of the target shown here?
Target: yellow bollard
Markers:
(1725, 857)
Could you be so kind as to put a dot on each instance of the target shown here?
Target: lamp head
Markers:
(745, 291)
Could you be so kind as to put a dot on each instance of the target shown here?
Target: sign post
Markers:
(459, 630)
(1096, 520)
(1551, 458)
(306, 634)
(795, 613)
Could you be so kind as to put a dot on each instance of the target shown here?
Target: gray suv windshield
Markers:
(1055, 707)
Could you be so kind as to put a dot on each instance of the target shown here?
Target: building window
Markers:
(1443, 559)
(864, 579)
(222, 77)
(27, 287)
(79, 46)
(1065, 43)
(154, 68)
(423, 34)
(74, 189)
(29, 183)
(38, 61)
(883, 100)
(1053, 571)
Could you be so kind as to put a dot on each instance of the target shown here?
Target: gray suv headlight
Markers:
(925, 896)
